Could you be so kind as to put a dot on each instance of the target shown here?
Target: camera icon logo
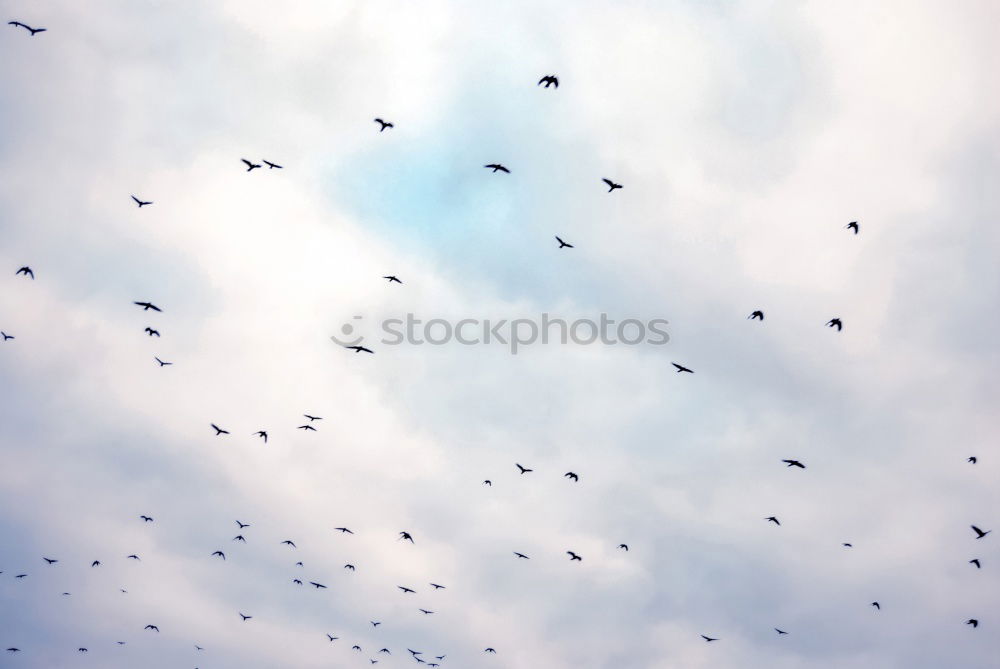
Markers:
(346, 333)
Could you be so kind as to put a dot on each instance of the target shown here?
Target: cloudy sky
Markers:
(746, 134)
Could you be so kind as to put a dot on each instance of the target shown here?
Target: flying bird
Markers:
(13, 650)
(973, 622)
(386, 651)
(573, 556)
(488, 482)
(979, 533)
(375, 623)
(756, 316)
(490, 650)
(794, 463)
(50, 560)
(708, 638)
(405, 535)
(239, 537)
(847, 545)
(262, 434)
(359, 349)
(316, 585)
(289, 542)
(524, 470)
(6, 336)
(343, 530)
(242, 525)
(95, 563)
(623, 547)
(611, 184)
(151, 627)
(497, 167)
(437, 587)
(21, 576)
(549, 80)
(81, 650)
(33, 31)
(245, 618)
(133, 557)
(139, 202)
(772, 519)
(312, 418)
(220, 554)
(563, 244)
(425, 612)
(146, 306)
(296, 581)
(272, 166)
(972, 459)
(571, 475)
(521, 556)
(218, 430)
(780, 632)
(392, 279)
(306, 427)
(682, 368)
(250, 166)
(349, 566)
(26, 271)
(835, 323)
(331, 637)
(975, 561)
(853, 225)
(384, 124)
(405, 589)
(146, 519)
(151, 332)
(163, 363)
(877, 606)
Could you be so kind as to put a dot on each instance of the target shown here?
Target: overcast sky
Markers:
(746, 135)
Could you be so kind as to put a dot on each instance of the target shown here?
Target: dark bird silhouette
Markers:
(772, 519)
(262, 434)
(33, 31)
(497, 167)
(272, 166)
(151, 627)
(406, 536)
(437, 587)
(549, 80)
(146, 306)
(331, 637)
(318, 586)
(250, 166)
(405, 589)
(196, 646)
(239, 537)
(973, 622)
(375, 623)
(490, 650)
(682, 368)
(242, 525)
(220, 554)
(81, 650)
(218, 430)
(979, 533)
(289, 542)
(296, 581)
(357, 648)
(780, 631)
(524, 470)
(611, 184)
(349, 566)
(6, 336)
(95, 563)
(756, 316)
(50, 560)
(425, 612)
(245, 618)
(133, 557)
(151, 332)
(571, 476)
(877, 606)
(163, 363)
(384, 124)
(794, 463)
(522, 556)
(139, 202)
(624, 547)
(359, 349)
(488, 482)
(386, 651)
(847, 545)
(13, 650)
(306, 427)
(146, 519)
(26, 271)
(975, 561)
(835, 323)
(853, 225)
(708, 638)
(392, 279)
(564, 245)
(343, 530)
(21, 576)
(312, 418)
(972, 459)
(573, 556)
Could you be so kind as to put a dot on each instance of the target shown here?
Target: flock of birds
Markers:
(430, 659)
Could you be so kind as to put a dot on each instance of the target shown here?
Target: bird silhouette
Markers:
(33, 31)
(296, 581)
(975, 561)
(406, 536)
(307, 428)
(877, 606)
(289, 542)
(853, 225)
(220, 554)
(318, 586)
(133, 557)
(331, 637)
(343, 530)
(384, 124)
(549, 80)
(611, 184)
(242, 525)
(386, 651)
(524, 470)
(218, 430)
(375, 623)
(405, 589)
(21, 576)
(562, 244)
(349, 566)
(151, 627)
(973, 622)
(13, 650)
(794, 463)
(245, 618)
(437, 587)
(141, 203)
(262, 434)
(146, 519)
(979, 533)
(757, 315)
(26, 271)
(488, 482)
(571, 476)
(708, 638)
(163, 363)
(50, 560)
(623, 547)
(972, 459)
(151, 332)
(81, 650)
(497, 167)
(780, 632)
(425, 612)
(357, 648)
(146, 306)
(846, 545)
(521, 556)
(835, 323)
(272, 166)
(490, 650)
(574, 557)
(392, 279)
(772, 519)
(682, 368)
(250, 166)
(6, 336)
(359, 349)
(239, 537)
(95, 563)
(312, 418)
